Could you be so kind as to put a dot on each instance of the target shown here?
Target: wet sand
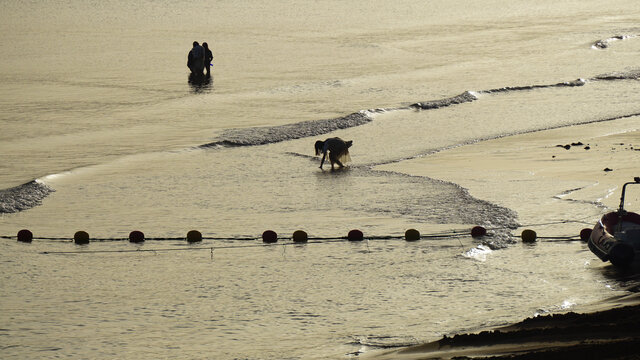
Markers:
(538, 177)
(547, 177)
(607, 334)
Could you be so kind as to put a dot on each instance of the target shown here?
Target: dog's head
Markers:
(319, 146)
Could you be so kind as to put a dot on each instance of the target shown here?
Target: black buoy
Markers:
(194, 236)
(25, 235)
(528, 236)
(300, 236)
(585, 234)
(136, 236)
(81, 237)
(269, 237)
(412, 235)
(478, 231)
(355, 235)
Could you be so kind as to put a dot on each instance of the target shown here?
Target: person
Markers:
(195, 59)
(337, 148)
(208, 58)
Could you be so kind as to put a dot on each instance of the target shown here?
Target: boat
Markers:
(616, 236)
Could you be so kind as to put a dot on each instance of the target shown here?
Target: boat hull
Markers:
(617, 239)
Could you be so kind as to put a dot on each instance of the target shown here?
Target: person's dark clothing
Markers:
(195, 59)
(208, 58)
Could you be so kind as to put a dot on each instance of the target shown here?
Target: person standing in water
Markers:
(208, 58)
(337, 148)
(195, 59)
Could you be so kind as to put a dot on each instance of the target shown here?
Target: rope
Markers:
(249, 238)
(211, 248)
(560, 238)
(560, 222)
(310, 240)
(316, 239)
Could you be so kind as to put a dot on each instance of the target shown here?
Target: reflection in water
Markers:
(200, 83)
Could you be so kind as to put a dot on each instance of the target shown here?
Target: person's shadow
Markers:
(200, 83)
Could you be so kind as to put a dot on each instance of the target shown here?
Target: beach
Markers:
(536, 174)
(604, 334)
(504, 115)
(541, 175)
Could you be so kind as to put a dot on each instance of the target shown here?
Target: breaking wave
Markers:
(273, 134)
(254, 136)
(465, 97)
(28, 195)
(441, 196)
(577, 82)
(23, 197)
(619, 75)
(605, 43)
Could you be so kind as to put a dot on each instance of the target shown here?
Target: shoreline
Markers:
(573, 174)
(604, 334)
(559, 181)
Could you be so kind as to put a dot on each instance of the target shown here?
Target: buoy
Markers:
(528, 236)
(25, 235)
(355, 235)
(585, 234)
(81, 237)
(300, 236)
(136, 236)
(194, 236)
(478, 231)
(269, 237)
(412, 235)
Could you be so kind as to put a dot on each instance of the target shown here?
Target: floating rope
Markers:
(211, 248)
(195, 236)
(299, 236)
(243, 238)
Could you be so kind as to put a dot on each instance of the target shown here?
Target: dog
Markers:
(337, 148)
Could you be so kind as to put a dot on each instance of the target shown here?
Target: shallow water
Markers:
(107, 119)
(319, 300)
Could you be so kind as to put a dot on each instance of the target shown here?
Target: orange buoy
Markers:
(478, 231)
(194, 236)
(300, 236)
(585, 234)
(355, 235)
(412, 235)
(25, 235)
(269, 237)
(81, 237)
(528, 236)
(136, 236)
